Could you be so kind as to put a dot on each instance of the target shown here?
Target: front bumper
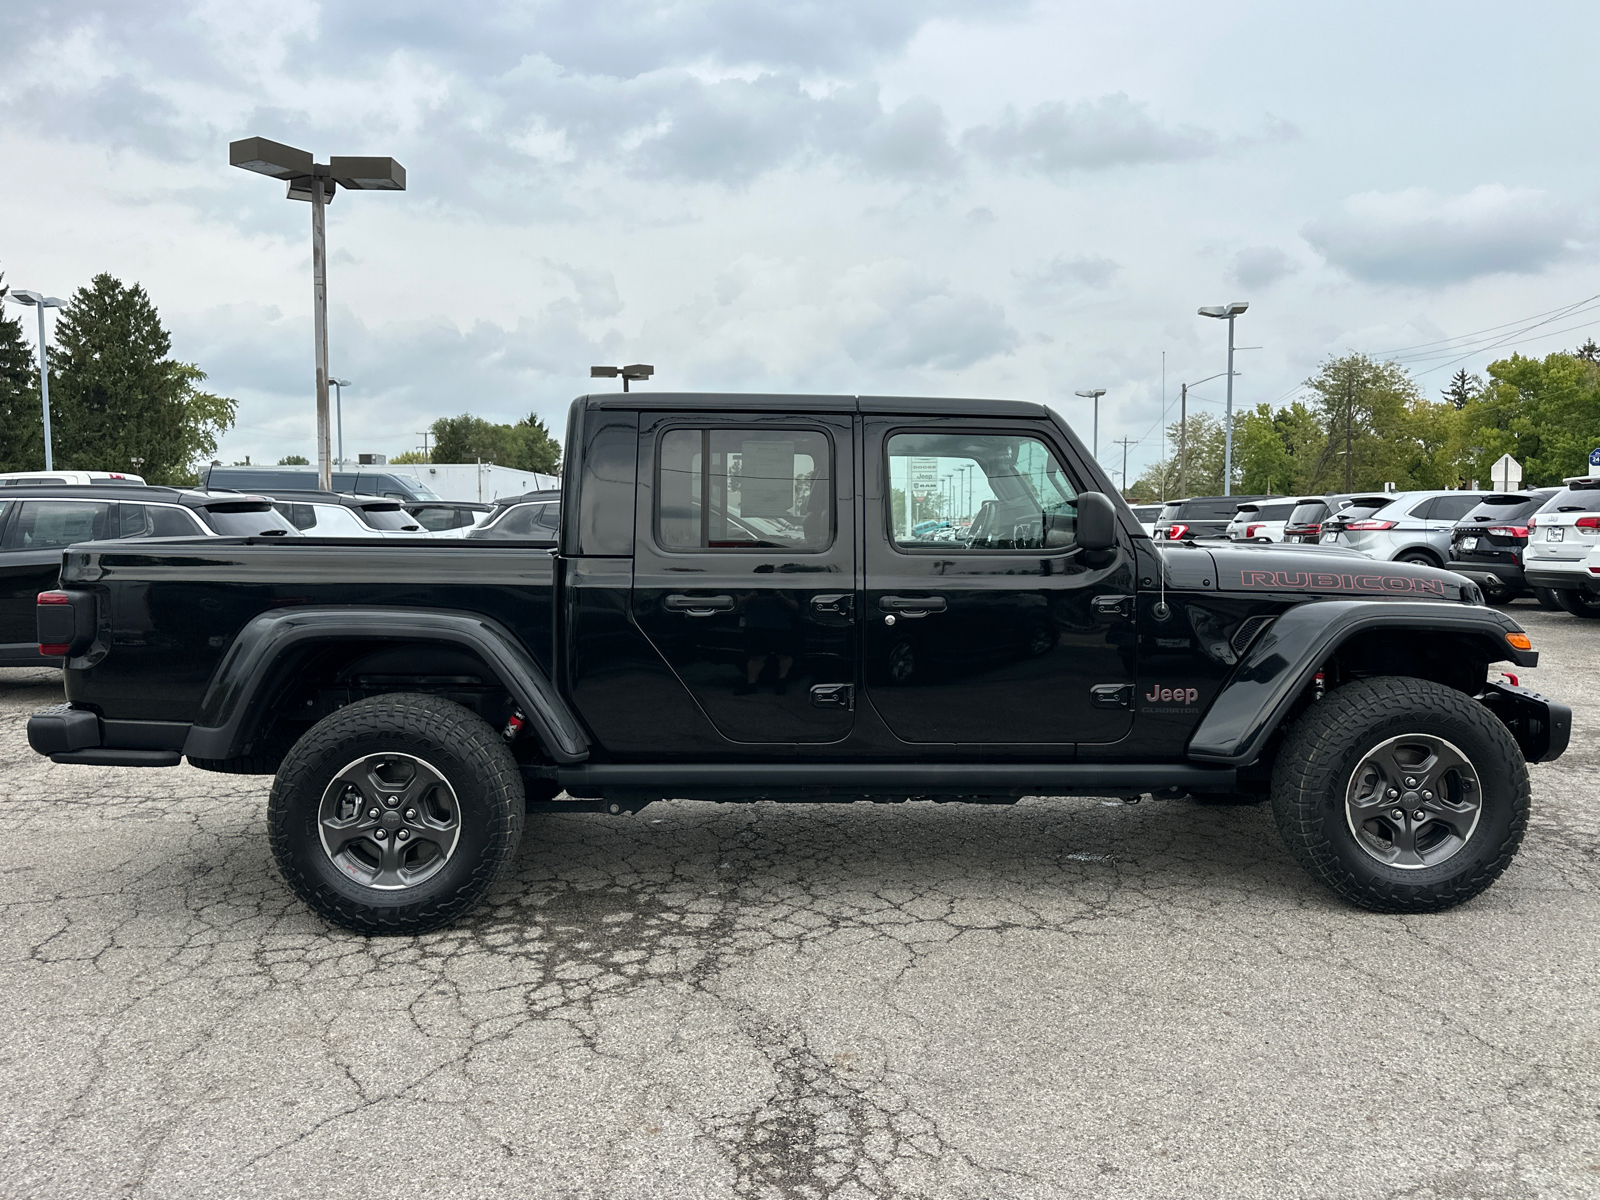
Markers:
(1542, 727)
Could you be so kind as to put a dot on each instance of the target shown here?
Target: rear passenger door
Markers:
(744, 569)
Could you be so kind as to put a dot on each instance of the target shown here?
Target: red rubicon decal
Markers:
(1325, 581)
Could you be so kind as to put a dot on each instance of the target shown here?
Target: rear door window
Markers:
(155, 520)
(527, 522)
(56, 524)
(1453, 508)
(1274, 512)
(744, 489)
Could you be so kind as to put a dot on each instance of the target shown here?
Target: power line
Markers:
(1491, 329)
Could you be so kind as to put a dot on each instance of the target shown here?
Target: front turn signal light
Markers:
(1519, 641)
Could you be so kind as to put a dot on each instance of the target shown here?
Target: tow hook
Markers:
(1319, 685)
(514, 726)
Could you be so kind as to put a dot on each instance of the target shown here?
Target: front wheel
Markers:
(1580, 602)
(1401, 795)
(396, 814)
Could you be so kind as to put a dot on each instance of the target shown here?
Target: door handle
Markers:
(698, 606)
(912, 606)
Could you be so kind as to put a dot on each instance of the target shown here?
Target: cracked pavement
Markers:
(1065, 997)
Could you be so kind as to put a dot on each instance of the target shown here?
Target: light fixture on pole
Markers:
(1227, 312)
(317, 183)
(1094, 394)
(41, 302)
(338, 412)
(634, 371)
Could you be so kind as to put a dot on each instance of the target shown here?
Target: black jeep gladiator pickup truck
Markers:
(739, 606)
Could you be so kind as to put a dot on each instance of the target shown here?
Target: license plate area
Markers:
(1555, 535)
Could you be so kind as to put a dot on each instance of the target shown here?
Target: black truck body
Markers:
(654, 653)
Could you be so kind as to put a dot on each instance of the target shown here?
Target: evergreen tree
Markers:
(1589, 351)
(1463, 387)
(121, 397)
(21, 421)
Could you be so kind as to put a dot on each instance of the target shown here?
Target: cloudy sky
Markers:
(940, 197)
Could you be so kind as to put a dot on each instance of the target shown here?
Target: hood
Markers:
(1311, 570)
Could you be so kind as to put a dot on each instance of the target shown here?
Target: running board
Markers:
(755, 780)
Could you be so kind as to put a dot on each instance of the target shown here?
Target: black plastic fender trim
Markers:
(1281, 663)
(227, 711)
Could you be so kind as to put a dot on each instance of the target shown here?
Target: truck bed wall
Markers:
(168, 615)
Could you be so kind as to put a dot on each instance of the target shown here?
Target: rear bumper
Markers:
(1508, 575)
(1562, 578)
(75, 735)
(1542, 727)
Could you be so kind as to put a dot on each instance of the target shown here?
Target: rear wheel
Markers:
(396, 814)
(1401, 795)
(1547, 598)
(1421, 557)
(1580, 602)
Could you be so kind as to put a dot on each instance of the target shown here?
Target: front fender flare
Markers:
(228, 712)
(1283, 660)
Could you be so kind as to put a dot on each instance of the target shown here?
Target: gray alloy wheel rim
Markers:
(1413, 801)
(389, 821)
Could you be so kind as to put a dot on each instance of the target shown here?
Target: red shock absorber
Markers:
(514, 726)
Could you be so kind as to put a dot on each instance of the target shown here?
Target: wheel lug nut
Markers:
(411, 814)
(1394, 793)
(1397, 813)
(1419, 815)
(403, 835)
(372, 814)
(1427, 795)
(1410, 782)
(380, 834)
(391, 801)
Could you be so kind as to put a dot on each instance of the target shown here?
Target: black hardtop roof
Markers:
(128, 493)
(761, 402)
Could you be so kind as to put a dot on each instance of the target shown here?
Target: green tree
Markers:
(21, 422)
(1204, 442)
(525, 446)
(1544, 413)
(1273, 452)
(121, 397)
(294, 460)
(1463, 387)
(410, 456)
(1378, 428)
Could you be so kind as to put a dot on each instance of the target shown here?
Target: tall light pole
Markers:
(635, 371)
(317, 183)
(338, 411)
(41, 303)
(1227, 312)
(1094, 394)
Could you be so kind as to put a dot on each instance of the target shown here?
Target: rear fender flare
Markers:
(250, 670)
(1286, 656)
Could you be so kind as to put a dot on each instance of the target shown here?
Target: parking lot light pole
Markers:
(41, 302)
(317, 182)
(1094, 394)
(1227, 312)
(634, 371)
(338, 411)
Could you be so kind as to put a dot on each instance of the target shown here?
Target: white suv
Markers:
(1260, 520)
(1561, 539)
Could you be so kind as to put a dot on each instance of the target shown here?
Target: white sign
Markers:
(1594, 463)
(1506, 474)
(924, 477)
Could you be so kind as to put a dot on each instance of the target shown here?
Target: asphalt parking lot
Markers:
(1061, 998)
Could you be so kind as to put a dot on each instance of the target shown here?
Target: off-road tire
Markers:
(1547, 598)
(1580, 602)
(1331, 740)
(455, 743)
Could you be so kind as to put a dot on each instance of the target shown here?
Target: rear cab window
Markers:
(744, 489)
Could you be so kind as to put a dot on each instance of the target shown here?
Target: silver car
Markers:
(1401, 526)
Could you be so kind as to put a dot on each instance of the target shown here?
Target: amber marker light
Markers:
(1519, 641)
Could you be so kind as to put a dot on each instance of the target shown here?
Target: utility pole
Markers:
(1349, 421)
(424, 434)
(1183, 442)
(1125, 442)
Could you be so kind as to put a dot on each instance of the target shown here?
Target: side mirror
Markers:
(1097, 522)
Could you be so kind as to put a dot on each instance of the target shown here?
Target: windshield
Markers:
(390, 518)
(1308, 512)
(1363, 507)
(1503, 508)
(247, 520)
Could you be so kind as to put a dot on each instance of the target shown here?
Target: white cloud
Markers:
(1261, 266)
(1056, 138)
(1418, 236)
(1049, 280)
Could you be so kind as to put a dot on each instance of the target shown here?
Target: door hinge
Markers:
(1112, 606)
(1111, 695)
(833, 695)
